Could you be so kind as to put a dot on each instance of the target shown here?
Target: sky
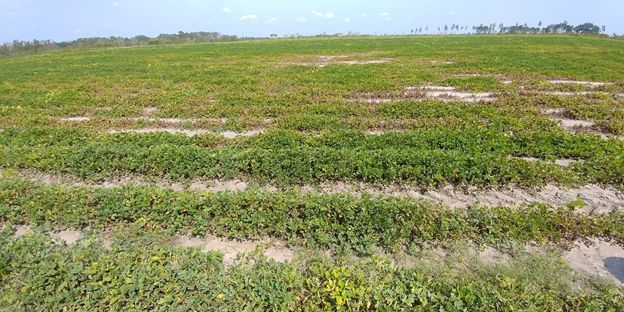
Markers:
(71, 19)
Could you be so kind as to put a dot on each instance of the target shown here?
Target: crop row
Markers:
(427, 157)
(543, 144)
(37, 274)
(335, 221)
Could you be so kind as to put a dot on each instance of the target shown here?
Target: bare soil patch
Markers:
(326, 60)
(232, 249)
(381, 132)
(565, 162)
(471, 75)
(232, 134)
(22, 230)
(219, 186)
(149, 111)
(365, 62)
(372, 100)
(571, 124)
(591, 84)
(69, 237)
(170, 120)
(165, 120)
(440, 93)
(189, 133)
(492, 256)
(560, 162)
(447, 94)
(566, 93)
(75, 119)
(599, 258)
(574, 125)
(442, 62)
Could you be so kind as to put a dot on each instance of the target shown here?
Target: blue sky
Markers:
(70, 19)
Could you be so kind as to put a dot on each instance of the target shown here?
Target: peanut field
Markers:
(358, 173)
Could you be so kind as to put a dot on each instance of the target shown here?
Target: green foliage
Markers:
(37, 274)
(314, 134)
(337, 222)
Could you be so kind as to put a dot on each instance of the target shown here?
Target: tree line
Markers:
(20, 46)
(560, 28)
(34, 46)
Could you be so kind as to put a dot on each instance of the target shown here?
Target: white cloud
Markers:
(384, 14)
(271, 20)
(227, 9)
(347, 20)
(451, 13)
(365, 15)
(115, 4)
(302, 20)
(328, 14)
(249, 17)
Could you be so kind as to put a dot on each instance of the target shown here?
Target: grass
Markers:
(312, 132)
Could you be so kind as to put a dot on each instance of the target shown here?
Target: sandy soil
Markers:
(190, 133)
(69, 237)
(232, 249)
(598, 258)
(574, 125)
(22, 230)
(565, 93)
(447, 94)
(326, 60)
(149, 111)
(232, 134)
(598, 199)
(440, 93)
(583, 83)
(442, 62)
(75, 119)
(560, 162)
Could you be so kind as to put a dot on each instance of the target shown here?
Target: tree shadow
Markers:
(615, 266)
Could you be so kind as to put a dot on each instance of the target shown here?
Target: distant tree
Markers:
(587, 29)
(481, 29)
